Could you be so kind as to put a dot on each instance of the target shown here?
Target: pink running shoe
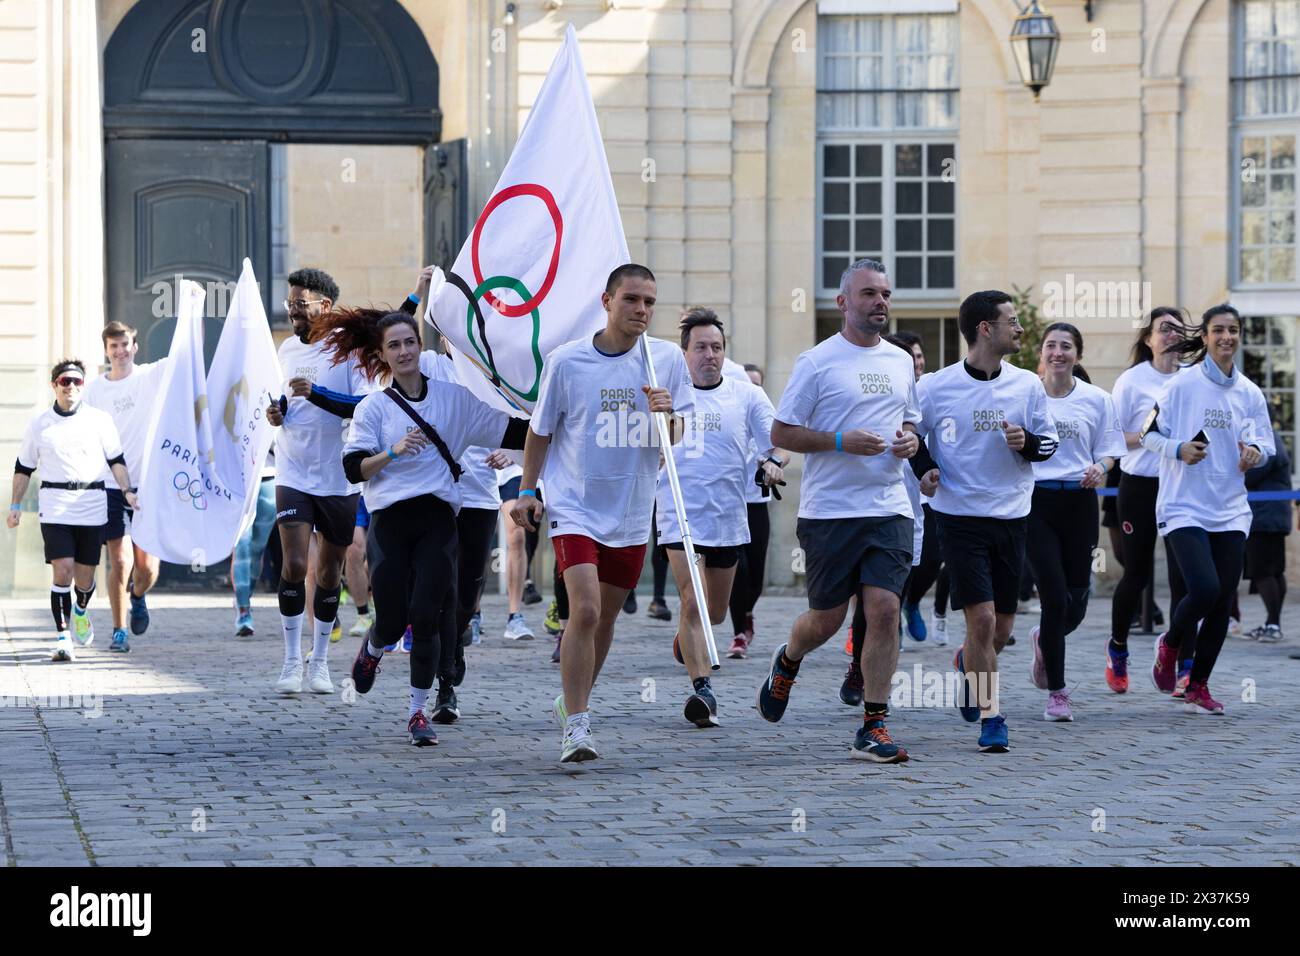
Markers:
(1199, 700)
(1058, 706)
(1164, 671)
(738, 648)
(1039, 671)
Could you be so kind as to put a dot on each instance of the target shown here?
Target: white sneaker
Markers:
(1272, 634)
(362, 627)
(318, 677)
(63, 648)
(290, 681)
(517, 629)
(577, 745)
(939, 629)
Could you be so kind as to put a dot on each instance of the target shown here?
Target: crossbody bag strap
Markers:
(429, 431)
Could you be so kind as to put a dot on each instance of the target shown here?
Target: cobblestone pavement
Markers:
(179, 753)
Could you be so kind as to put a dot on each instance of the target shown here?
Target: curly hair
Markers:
(359, 333)
(318, 281)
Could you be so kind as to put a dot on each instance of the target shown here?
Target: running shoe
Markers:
(1255, 634)
(531, 594)
(659, 610)
(407, 640)
(702, 707)
(1058, 706)
(1164, 666)
(139, 614)
(677, 648)
(362, 625)
(1011, 640)
(475, 629)
(774, 693)
(517, 628)
(915, 623)
(336, 632)
(243, 625)
(445, 709)
(63, 648)
(364, 668)
(629, 606)
(419, 731)
(318, 678)
(577, 746)
(120, 643)
(993, 735)
(939, 628)
(1234, 627)
(560, 712)
(552, 620)
(1116, 668)
(970, 711)
(290, 681)
(83, 632)
(1038, 672)
(1184, 676)
(851, 689)
(1198, 699)
(872, 742)
(1272, 634)
(555, 654)
(739, 647)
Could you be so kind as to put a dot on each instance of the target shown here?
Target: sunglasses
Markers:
(67, 381)
(298, 304)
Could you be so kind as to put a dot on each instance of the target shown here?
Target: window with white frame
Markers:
(1266, 97)
(886, 154)
(1268, 357)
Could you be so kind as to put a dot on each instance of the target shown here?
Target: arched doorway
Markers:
(199, 95)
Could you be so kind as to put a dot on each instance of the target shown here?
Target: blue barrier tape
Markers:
(1250, 495)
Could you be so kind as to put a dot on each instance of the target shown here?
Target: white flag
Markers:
(245, 373)
(531, 274)
(186, 516)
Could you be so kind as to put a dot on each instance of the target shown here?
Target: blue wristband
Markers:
(1178, 448)
(390, 453)
(17, 507)
(531, 492)
(412, 296)
(839, 441)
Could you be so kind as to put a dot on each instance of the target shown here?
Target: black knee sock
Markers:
(874, 711)
(325, 603)
(83, 597)
(293, 597)
(61, 606)
(363, 608)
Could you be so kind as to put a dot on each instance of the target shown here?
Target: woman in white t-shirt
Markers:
(69, 444)
(1155, 361)
(1063, 518)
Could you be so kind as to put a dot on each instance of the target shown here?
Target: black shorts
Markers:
(1265, 554)
(720, 557)
(984, 557)
(80, 542)
(334, 516)
(119, 518)
(843, 554)
(510, 490)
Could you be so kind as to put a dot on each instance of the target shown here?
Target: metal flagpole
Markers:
(692, 560)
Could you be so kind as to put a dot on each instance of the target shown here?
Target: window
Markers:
(939, 337)
(886, 118)
(1268, 359)
(1266, 94)
(279, 234)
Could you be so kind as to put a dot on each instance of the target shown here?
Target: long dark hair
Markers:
(359, 333)
(1195, 346)
(1073, 331)
(1141, 351)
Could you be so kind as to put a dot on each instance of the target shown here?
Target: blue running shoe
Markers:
(139, 614)
(406, 640)
(993, 735)
(774, 694)
(874, 743)
(915, 623)
(970, 711)
(120, 643)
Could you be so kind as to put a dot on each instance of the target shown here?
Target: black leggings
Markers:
(474, 530)
(411, 549)
(751, 569)
(658, 558)
(1062, 534)
(1137, 518)
(926, 573)
(1211, 564)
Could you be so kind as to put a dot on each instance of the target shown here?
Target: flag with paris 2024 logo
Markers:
(530, 276)
(209, 439)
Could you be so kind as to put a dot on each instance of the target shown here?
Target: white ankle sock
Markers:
(292, 637)
(419, 696)
(320, 639)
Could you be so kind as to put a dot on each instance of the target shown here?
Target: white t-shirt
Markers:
(478, 483)
(459, 418)
(1212, 493)
(711, 460)
(918, 520)
(603, 463)
(1134, 395)
(131, 403)
(735, 370)
(979, 475)
(837, 387)
(71, 447)
(1087, 429)
(309, 445)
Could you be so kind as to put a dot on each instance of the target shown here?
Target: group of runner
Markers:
(974, 468)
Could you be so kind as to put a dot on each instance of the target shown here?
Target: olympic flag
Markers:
(531, 274)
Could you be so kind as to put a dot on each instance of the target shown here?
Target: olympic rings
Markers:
(504, 282)
(185, 485)
(510, 192)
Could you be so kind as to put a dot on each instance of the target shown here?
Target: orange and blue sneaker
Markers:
(1116, 668)
(872, 742)
(774, 693)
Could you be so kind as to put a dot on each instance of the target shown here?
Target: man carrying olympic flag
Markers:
(529, 334)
